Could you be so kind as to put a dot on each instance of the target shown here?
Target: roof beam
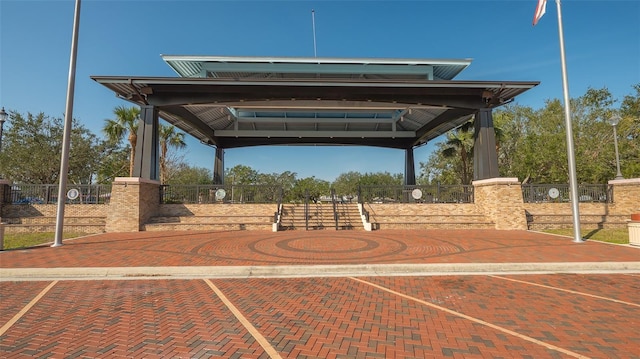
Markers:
(314, 120)
(321, 69)
(316, 134)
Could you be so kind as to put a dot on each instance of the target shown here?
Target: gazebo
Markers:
(231, 102)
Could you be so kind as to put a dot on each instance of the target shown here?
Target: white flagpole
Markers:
(313, 23)
(573, 180)
(66, 137)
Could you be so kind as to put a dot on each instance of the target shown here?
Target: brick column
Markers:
(626, 196)
(133, 201)
(500, 199)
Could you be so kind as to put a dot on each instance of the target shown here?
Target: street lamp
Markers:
(3, 117)
(613, 121)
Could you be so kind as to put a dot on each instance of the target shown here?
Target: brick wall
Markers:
(626, 200)
(179, 210)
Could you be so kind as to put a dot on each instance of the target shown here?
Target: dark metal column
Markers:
(409, 168)
(218, 167)
(485, 155)
(147, 158)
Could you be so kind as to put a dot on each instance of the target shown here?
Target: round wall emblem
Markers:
(73, 194)
(220, 194)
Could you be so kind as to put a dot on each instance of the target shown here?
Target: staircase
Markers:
(349, 216)
(321, 216)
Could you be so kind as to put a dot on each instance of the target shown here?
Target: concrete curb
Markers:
(304, 271)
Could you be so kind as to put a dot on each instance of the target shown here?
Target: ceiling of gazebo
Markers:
(238, 102)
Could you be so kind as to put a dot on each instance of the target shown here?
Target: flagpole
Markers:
(313, 24)
(573, 180)
(66, 136)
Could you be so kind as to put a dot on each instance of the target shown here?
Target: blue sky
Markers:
(126, 37)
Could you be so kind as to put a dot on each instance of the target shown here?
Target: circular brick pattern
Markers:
(337, 248)
(324, 246)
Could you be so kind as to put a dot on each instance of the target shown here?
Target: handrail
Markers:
(278, 213)
(335, 208)
(306, 210)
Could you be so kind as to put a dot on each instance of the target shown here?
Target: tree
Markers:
(125, 123)
(115, 163)
(242, 175)
(182, 173)
(169, 138)
(312, 187)
(459, 145)
(31, 148)
(346, 184)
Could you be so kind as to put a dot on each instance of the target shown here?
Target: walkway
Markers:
(322, 294)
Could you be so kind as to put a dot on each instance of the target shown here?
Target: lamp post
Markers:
(613, 121)
(3, 117)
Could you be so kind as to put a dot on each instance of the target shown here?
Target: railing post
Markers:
(335, 209)
(306, 209)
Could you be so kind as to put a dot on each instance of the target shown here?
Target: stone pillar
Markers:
(218, 167)
(500, 199)
(409, 168)
(485, 156)
(626, 196)
(133, 201)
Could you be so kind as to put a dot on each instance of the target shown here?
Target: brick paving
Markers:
(245, 248)
(454, 316)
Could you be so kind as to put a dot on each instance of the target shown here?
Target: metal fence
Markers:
(557, 193)
(48, 194)
(220, 194)
(416, 194)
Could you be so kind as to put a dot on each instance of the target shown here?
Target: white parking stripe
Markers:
(270, 350)
(475, 320)
(566, 290)
(26, 308)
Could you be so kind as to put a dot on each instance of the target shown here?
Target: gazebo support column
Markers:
(409, 168)
(147, 158)
(485, 155)
(218, 167)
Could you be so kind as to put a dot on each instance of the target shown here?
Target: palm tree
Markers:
(168, 138)
(126, 122)
(460, 143)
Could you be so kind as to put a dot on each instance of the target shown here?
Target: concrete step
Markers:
(239, 219)
(151, 227)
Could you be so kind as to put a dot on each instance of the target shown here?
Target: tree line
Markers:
(530, 144)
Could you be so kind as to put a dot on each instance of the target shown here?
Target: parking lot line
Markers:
(26, 308)
(473, 319)
(565, 290)
(264, 343)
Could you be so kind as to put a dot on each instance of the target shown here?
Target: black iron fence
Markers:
(101, 194)
(557, 193)
(220, 194)
(48, 194)
(416, 194)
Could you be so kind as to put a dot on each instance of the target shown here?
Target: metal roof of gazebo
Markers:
(247, 101)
